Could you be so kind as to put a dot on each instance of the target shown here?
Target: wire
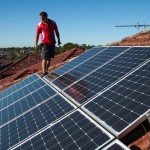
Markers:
(148, 137)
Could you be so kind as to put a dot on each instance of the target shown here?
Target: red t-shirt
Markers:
(47, 32)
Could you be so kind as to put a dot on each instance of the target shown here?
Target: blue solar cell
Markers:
(75, 131)
(87, 67)
(23, 92)
(123, 103)
(103, 77)
(18, 107)
(31, 122)
(19, 85)
(75, 62)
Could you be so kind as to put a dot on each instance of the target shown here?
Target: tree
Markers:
(68, 46)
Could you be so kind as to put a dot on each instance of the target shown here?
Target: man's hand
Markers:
(59, 42)
(58, 37)
(36, 41)
(35, 46)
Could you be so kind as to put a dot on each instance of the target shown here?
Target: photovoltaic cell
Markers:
(33, 121)
(87, 67)
(116, 145)
(23, 92)
(75, 132)
(80, 59)
(25, 82)
(19, 85)
(18, 107)
(103, 77)
(121, 105)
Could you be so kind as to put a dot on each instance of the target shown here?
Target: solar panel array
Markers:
(28, 110)
(74, 63)
(19, 85)
(123, 103)
(95, 82)
(30, 117)
(20, 93)
(109, 85)
(90, 84)
(88, 66)
(75, 131)
(32, 121)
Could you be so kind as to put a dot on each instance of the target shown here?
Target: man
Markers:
(47, 28)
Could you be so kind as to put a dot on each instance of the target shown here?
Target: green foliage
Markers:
(69, 46)
(14, 55)
(84, 46)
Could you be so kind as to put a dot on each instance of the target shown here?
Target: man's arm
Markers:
(36, 40)
(58, 37)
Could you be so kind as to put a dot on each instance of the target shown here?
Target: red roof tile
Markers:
(22, 63)
(140, 39)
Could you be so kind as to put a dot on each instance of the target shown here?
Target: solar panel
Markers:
(24, 104)
(76, 131)
(124, 105)
(116, 145)
(88, 66)
(75, 62)
(112, 85)
(33, 121)
(23, 92)
(19, 85)
(100, 79)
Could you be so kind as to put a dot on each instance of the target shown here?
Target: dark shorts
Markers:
(48, 52)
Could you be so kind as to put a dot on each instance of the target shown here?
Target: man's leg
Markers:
(44, 65)
(48, 64)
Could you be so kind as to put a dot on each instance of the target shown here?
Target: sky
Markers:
(79, 21)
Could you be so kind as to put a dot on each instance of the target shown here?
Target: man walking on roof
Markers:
(47, 28)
